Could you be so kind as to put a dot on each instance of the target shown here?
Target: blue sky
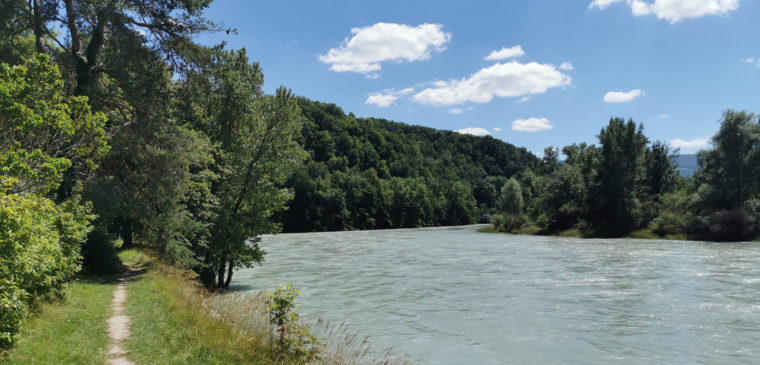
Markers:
(533, 73)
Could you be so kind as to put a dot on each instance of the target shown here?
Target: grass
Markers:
(172, 325)
(176, 322)
(488, 229)
(70, 331)
(649, 235)
(137, 257)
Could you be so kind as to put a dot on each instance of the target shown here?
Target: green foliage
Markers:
(254, 151)
(294, 338)
(729, 173)
(619, 166)
(68, 331)
(507, 222)
(511, 198)
(43, 134)
(366, 173)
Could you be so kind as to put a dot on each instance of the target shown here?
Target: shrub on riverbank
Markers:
(176, 321)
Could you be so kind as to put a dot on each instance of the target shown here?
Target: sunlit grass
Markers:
(176, 322)
(70, 331)
(137, 257)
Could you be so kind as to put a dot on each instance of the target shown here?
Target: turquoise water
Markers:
(456, 296)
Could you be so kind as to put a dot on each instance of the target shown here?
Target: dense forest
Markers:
(365, 173)
(629, 185)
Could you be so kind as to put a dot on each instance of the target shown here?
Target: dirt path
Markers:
(118, 324)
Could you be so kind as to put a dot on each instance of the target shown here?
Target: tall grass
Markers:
(176, 322)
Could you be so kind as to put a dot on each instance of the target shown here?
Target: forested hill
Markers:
(367, 173)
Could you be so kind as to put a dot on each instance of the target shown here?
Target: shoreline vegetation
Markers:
(117, 127)
(176, 321)
(628, 186)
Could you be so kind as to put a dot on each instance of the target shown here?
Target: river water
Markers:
(456, 296)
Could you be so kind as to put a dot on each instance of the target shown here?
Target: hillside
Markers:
(367, 173)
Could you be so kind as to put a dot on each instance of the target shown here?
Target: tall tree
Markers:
(621, 152)
(255, 149)
(730, 171)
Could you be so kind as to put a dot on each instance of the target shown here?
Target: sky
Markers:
(533, 73)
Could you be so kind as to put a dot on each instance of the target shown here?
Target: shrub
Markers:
(669, 223)
(729, 225)
(38, 253)
(294, 338)
(507, 222)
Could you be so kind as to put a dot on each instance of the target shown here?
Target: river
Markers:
(456, 296)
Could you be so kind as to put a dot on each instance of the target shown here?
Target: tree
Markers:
(730, 171)
(729, 180)
(620, 161)
(43, 133)
(660, 173)
(254, 151)
(511, 199)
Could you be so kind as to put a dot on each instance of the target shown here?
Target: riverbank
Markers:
(639, 234)
(173, 320)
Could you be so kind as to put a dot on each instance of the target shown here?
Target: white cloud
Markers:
(602, 4)
(751, 60)
(506, 53)
(369, 46)
(524, 99)
(381, 100)
(474, 131)
(694, 143)
(661, 116)
(622, 96)
(496, 129)
(455, 111)
(387, 97)
(531, 125)
(566, 66)
(503, 80)
(674, 11)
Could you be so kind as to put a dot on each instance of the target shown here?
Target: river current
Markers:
(456, 296)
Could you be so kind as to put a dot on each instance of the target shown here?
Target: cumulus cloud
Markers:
(622, 96)
(387, 98)
(503, 80)
(496, 129)
(531, 125)
(566, 66)
(369, 46)
(674, 11)
(506, 53)
(694, 143)
(474, 131)
(455, 111)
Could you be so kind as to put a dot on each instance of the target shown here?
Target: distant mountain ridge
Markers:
(687, 165)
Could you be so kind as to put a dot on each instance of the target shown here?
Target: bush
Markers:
(729, 226)
(669, 223)
(38, 253)
(507, 222)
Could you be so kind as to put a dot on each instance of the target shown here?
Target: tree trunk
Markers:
(126, 234)
(229, 275)
(220, 273)
(38, 26)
